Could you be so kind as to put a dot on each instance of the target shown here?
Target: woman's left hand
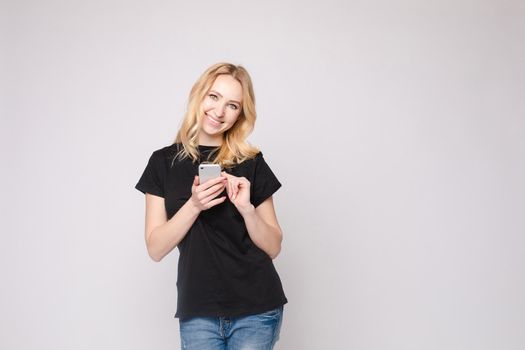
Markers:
(238, 189)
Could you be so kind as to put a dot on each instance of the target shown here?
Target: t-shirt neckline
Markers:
(208, 147)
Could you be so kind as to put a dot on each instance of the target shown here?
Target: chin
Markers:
(212, 132)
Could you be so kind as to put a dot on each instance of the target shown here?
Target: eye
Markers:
(234, 106)
(213, 96)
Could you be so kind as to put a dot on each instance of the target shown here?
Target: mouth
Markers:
(213, 120)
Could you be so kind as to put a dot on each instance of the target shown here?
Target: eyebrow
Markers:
(223, 96)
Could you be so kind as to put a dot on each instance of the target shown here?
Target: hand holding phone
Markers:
(207, 186)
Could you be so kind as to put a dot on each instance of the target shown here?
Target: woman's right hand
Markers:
(202, 196)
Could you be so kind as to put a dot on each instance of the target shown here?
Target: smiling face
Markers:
(222, 107)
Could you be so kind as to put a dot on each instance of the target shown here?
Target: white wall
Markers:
(404, 230)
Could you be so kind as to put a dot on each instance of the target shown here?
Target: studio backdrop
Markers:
(397, 130)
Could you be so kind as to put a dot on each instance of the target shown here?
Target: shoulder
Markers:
(164, 154)
(253, 161)
(167, 150)
(159, 153)
(261, 166)
(257, 160)
(255, 164)
(256, 157)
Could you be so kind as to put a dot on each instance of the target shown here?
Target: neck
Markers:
(206, 140)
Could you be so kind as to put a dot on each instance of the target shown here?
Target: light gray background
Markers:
(396, 128)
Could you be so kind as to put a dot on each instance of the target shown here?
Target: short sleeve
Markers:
(152, 179)
(264, 183)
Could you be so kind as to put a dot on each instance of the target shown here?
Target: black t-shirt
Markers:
(221, 272)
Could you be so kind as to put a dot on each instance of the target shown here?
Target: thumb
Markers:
(196, 180)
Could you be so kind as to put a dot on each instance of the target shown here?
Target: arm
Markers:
(263, 228)
(163, 235)
(261, 222)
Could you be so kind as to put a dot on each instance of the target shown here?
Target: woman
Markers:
(229, 293)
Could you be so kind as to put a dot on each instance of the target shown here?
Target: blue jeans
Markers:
(253, 332)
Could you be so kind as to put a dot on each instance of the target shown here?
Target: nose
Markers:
(219, 109)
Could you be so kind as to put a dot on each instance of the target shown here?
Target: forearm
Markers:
(266, 237)
(167, 236)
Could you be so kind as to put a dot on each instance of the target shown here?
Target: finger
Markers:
(196, 180)
(210, 182)
(207, 199)
(213, 181)
(215, 202)
(237, 184)
(211, 190)
(230, 188)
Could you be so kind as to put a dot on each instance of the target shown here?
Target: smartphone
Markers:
(208, 171)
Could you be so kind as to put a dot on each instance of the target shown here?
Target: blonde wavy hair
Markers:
(234, 149)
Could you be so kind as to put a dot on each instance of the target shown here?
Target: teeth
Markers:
(215, 120)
